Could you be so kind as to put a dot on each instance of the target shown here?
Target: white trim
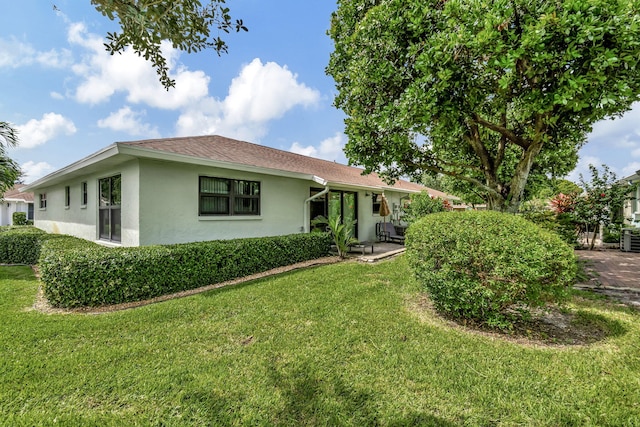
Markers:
(307, 209)
(105, 153)
(108, 243)
(229, 218)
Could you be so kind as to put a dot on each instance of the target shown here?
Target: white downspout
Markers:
(307, 209)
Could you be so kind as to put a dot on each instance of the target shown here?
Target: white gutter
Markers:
(307, 208)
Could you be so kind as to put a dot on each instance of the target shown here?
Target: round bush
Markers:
(483, 265)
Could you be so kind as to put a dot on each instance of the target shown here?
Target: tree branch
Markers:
(510, 135)
(468, 179)
(502, 144)
(486, 161)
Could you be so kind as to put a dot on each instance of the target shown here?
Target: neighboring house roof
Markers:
(15, 195)
(631, 178)
(229, 153)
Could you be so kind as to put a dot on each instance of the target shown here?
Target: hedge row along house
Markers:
(15, 200)
(178, 190)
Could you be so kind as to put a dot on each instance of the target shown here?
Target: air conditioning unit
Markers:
(630, 240)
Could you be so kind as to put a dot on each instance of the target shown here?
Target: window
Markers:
(67, 196)
(83, 194)
(109, 207)
(43, 200)
(221, 196)
(30, 211)
(376, 199)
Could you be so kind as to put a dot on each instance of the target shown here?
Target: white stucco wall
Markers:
(8, 207)
(169, 205)
(81, 221)
(367, 219)
(6, 211)
(160, 205)
(632, 209)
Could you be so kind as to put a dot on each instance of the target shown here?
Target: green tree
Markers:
(186, 24)
(423, 204)
(601, 200)
(564, 186)
(553, 187)
(9, 169)
(488, 92)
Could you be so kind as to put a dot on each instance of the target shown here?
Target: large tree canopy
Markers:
(9, 169)
(487, 92)
(186, 24)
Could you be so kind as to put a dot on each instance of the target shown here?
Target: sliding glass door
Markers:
(336, 203)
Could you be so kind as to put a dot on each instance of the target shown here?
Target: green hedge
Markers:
(20, 244)
(482, 265)
(91, 275)
(19, 218)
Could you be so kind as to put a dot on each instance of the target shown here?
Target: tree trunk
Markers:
(521, 175)
(495, 203)
(596, 230)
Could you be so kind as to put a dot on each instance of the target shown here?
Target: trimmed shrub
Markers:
(75, 274)
(20, 244)
(481, 266)
(19, 218)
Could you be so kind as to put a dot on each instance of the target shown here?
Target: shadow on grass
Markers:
(311, 397)
(17, 272)
(553, 326)
(569, 327)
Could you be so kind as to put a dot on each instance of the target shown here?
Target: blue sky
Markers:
(69, 98)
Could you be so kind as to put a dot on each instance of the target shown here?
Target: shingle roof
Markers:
(222, 149)
(14, 194)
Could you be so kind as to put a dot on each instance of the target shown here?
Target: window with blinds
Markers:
(221, 196)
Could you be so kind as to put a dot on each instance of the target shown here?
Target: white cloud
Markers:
(260, 93)
(15, 54)
(622, 131)
(329, 149)
(309, 150)
(37, 132)
(263, 92)
(103, 75)
(630, 169)
(129, 121)
(582, 168)
(33, 171)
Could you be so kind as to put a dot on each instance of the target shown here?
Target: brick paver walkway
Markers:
(614, 273)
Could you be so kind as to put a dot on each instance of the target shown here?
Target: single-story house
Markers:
(187, 189)
(631, 208)
(14, 200)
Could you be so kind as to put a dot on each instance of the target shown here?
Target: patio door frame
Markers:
(109, 208)
(326, 199)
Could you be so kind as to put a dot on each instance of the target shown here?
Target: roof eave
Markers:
(96, 157)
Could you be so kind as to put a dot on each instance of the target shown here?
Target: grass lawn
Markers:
(344, 344)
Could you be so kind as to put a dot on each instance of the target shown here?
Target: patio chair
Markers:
(386, 232)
